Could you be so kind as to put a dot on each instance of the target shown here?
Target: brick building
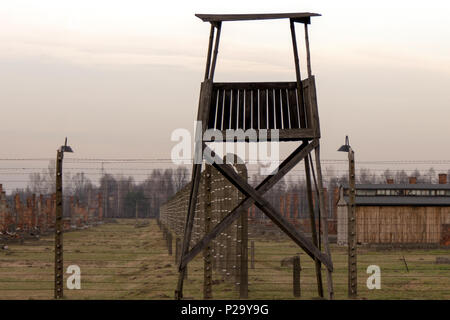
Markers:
(38, 213)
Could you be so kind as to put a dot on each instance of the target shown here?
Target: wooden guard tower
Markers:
(290, 107)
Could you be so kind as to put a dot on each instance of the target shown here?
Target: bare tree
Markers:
(387, 174)
(401, 177)
(50, 176)
(416, 173)
(181, 177)
(430, 176)
(37, 183)
(366, 176)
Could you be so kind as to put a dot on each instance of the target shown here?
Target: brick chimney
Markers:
(442, 178)
(412, 180)
(390, 181)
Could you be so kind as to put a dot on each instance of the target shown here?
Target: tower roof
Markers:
(303, 17)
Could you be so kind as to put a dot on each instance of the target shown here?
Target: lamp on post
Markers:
(59, 287)
(351, 219)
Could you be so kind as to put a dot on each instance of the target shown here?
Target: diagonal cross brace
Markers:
(290, 162)
(264, 205)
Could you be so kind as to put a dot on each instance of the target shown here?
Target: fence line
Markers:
(227, 254)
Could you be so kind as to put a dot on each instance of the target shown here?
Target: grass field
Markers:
(119, 261)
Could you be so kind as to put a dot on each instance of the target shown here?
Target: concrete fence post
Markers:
(207, 269)
(296, 275)
(252, 254)
(169, 243)
(177, 250)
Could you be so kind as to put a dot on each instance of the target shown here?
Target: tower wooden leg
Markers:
(196, 175)
(313, 226)
(324, 220)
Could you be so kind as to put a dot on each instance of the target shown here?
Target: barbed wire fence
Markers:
(128, 259)
(279, 270)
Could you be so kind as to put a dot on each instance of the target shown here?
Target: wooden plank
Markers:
(248, 109)
(308, 53)
(304, 115)
(216, 50)
(255, 109)
(196, 174)
(208, 56)
(213, 110)
(263, 109)
(278, 111)
(265, 206)
(261, 85)
(300, 93)
(220, 102)
(293, 109)
(285, 108)
(296, 134)
(313, 107)
(323, 217)
(234, 109)
(284, 135)
(270, 108)
(290, 162)
(205, 103)
(226, 110)
(255, 85)
(312, 220)
(241, 109)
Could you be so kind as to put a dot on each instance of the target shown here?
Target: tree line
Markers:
(123, 197)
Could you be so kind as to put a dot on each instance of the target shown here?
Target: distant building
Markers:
(398, 213)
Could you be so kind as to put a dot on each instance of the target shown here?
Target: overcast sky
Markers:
(117, 77)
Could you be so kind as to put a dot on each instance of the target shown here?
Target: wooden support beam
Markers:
(208, 57)
(324, 220)
(202, 115)
(196, 174)
(308, 54)
(319, 245)
(313, 225)
(216, 50)
(290, 162)
(300, 98)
